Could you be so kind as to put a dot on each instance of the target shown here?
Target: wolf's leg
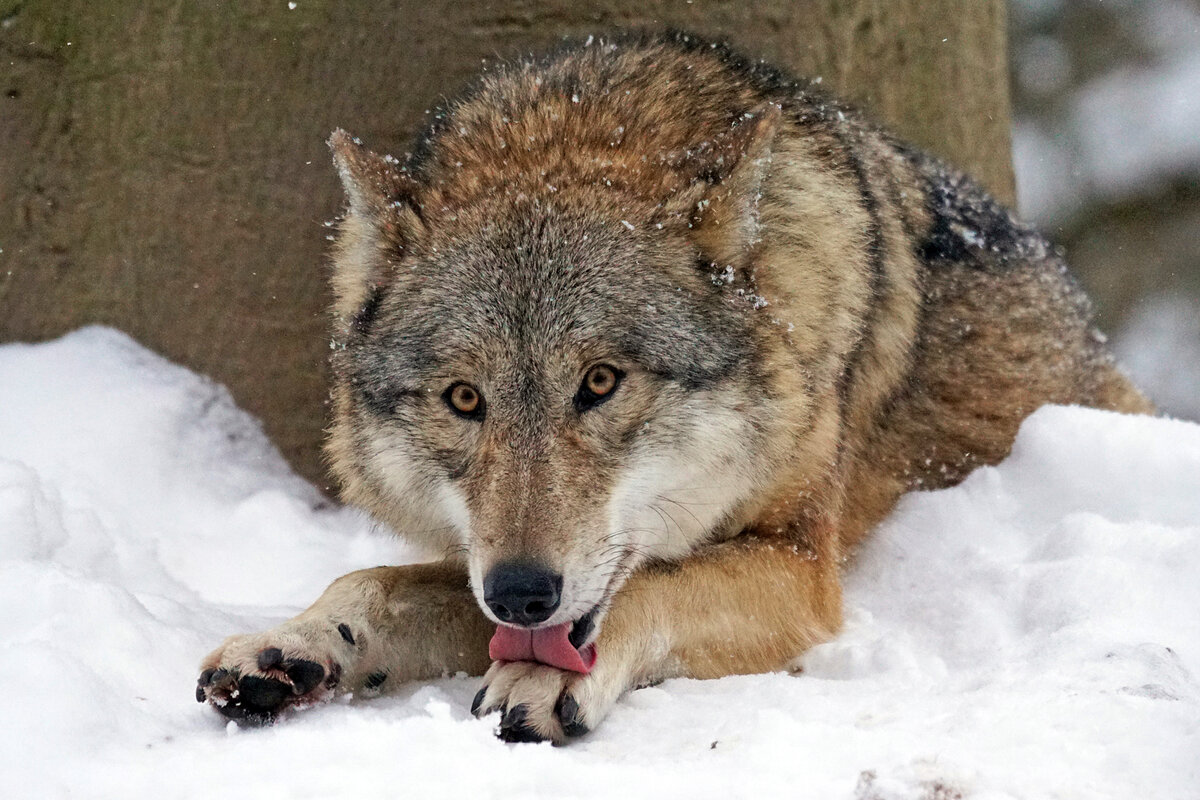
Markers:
(745, 606)
(371, 629)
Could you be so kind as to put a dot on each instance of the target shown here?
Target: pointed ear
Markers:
(383, 220)
(380, 193)
(721, 202)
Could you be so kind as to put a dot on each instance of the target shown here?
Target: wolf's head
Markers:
(556, 378)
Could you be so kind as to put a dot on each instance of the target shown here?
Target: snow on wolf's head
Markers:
(546, 363)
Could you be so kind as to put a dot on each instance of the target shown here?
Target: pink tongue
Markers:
(546, 646)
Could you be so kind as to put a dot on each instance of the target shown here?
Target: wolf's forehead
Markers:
(540, 278)
(543, 291)
(540, 245)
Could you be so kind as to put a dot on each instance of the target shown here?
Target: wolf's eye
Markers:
(598, 385)
(464, 400)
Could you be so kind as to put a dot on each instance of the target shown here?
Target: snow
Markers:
(1032, 633)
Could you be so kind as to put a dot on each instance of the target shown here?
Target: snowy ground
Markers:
(1033, 633)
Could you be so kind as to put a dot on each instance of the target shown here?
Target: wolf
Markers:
(639, 342)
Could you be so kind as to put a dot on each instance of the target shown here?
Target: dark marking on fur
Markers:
(381, 398)
(456, 463)
(634, 429)
(875, 255)
(969, 227)
(909, 386)
(375, 680)
(943, 244)
(893, 189)
(365, 318)
(344, 630)
(684, 350)
(661, 567)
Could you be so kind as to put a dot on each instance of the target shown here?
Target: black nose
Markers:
(521, 593)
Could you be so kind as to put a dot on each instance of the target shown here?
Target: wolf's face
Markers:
(504, 388)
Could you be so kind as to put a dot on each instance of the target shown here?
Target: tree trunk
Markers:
(163, 167)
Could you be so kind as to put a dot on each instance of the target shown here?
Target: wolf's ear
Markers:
(383, 220)
(721, 202)
(380, 194)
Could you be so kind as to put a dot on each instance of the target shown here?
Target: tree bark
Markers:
(163, 167)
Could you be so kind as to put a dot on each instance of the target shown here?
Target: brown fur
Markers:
(896, 325)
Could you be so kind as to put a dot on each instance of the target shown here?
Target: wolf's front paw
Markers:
(256, 676)
(541, 703)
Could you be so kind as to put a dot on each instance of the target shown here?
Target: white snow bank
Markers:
(1032, 633)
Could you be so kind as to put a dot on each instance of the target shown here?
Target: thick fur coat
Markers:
(670, 332)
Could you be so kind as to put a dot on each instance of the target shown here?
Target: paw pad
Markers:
(258, 699)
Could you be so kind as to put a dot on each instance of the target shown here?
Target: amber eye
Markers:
(600, 380)
(598, 385)
(464, 400)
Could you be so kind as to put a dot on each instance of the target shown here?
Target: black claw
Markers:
(514, 729)
(260, 696)
(478, 701)
(270, 658)
(218, 676)
(344, 630)
(200, 698)
(576, 728)
(582, 628)
(567, 710)
(375, 680)
(305, 675)
(206, 677)
(335, 675)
